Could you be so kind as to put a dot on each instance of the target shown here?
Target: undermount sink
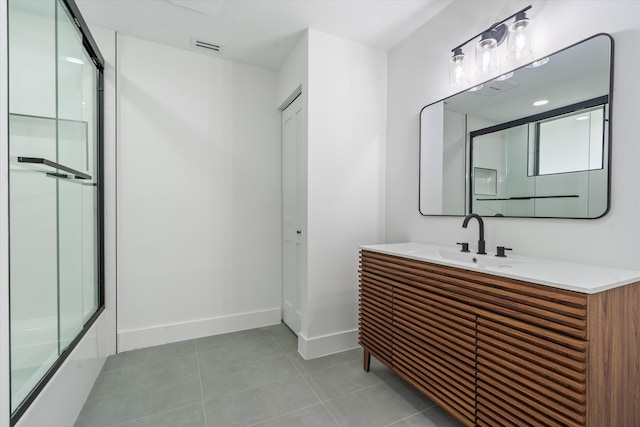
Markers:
(469, 258)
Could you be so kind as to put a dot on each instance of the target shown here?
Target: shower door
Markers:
(54, 190)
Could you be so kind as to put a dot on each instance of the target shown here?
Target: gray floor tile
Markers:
(252, 378)
(144, 356)
(142, 376)
(221, 382)
(410, 394)
(346, 378)
(377, 406)
(432, 417)
(315, 416)
(186, 416)
(127, 406)
(324, 362)
(260, 404)
(217, 342)
(280, 330)
(238, 354)
(289, 342)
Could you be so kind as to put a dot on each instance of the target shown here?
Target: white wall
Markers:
(418, 75)
(344, 97)
(199, 198)
(346, 150)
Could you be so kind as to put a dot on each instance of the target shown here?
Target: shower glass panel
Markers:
(33, 202)
(54, 149)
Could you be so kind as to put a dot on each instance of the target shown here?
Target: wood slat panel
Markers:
(494, 418)
(506, 402)
(521, 287)
(466, 418)
(538, 383)
(525, 288)
(437, 383)
(529, 370)
(524, 356)
(560, 310)
(442, 390)
(462, 349)
(561, 344)
(382, 354)
(424, 302)
(487, 418)
(614, 357)
(433, 301)
(557, 405)
(458, 371)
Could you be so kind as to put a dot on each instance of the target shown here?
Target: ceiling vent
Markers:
(205, 46)
(496, 87)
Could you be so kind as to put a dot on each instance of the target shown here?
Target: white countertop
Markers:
(584, 278)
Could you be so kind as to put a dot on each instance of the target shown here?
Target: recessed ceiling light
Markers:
(541, 102)
(505, 77)
(538, 63)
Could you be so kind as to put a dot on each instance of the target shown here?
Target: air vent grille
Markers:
(495, 87)
(206, 46)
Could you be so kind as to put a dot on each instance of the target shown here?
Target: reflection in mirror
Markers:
(549, 165)
(496, 151)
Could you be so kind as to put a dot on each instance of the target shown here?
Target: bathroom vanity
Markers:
(509, 341)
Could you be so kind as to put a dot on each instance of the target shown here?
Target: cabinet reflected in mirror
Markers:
(493, 152)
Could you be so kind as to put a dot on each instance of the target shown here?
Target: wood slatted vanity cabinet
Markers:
(495, 351)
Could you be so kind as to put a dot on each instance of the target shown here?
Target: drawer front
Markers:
(528, 377)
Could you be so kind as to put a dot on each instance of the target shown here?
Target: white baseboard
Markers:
(147, 337)
(311, 348)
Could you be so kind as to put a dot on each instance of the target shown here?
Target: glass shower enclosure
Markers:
(55, 195)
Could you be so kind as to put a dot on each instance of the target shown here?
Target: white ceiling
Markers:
(261, 32)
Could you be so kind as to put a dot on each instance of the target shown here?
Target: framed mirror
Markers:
(534, 142)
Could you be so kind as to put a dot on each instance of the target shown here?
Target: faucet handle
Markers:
(465, 246)
(500, 251)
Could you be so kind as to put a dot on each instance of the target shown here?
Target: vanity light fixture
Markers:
(457, 72)
(486, 49)
(476, 88)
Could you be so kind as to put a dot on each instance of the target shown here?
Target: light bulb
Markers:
(519, 42)
(486, 56)
(457, 74)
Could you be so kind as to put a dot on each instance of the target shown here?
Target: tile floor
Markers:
(252, 378)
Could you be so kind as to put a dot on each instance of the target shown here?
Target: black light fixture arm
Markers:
(493, 27)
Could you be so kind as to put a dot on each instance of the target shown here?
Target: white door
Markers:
(291, 223)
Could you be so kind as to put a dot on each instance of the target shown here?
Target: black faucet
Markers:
(481, 242)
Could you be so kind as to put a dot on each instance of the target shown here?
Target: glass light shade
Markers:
(519, 41)
(457, 68)
(486, 55)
